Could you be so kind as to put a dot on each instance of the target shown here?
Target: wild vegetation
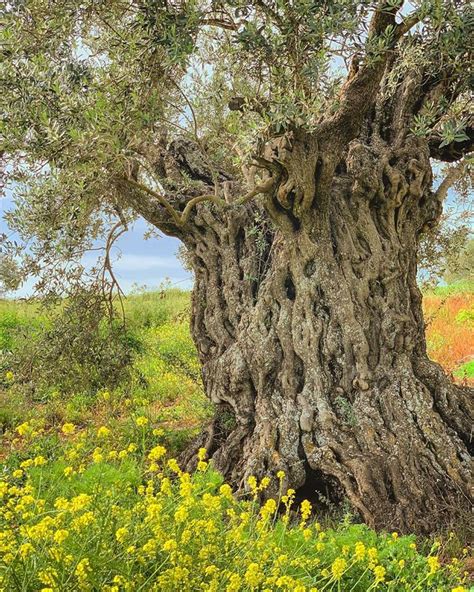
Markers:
(93, 497)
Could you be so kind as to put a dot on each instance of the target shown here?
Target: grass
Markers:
(93, 498)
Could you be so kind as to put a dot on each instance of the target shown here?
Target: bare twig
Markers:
(115, 233)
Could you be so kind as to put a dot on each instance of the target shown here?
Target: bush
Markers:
(81, 350)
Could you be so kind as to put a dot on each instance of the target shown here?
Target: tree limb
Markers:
(360, 89)
(179, 220)
(408, 23)
(174, 215)
(453, 175)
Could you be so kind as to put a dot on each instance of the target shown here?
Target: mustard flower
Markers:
(379, 573)
(68, 429)
(156, 453)
(305, 509)
(433, 563)
(121, 534)
(253, 575)
(338, 568)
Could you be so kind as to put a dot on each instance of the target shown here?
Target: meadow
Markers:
(93, 497)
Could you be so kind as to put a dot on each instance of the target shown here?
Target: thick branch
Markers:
(362, 84)
(173, 214)
(263, 188)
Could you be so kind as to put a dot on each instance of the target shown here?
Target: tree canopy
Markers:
(119, 108)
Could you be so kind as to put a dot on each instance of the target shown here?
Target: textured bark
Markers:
(311, 337)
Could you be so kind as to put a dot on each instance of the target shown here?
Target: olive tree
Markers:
(289, 146)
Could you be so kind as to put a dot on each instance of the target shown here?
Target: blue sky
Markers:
(137, 261)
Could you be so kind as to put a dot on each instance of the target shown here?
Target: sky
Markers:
(138, 262)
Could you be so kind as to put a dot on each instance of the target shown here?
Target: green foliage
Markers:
(160, 366)
(460, 287)
(96, 477)
(15, 318)
(9, 322)
(465, 317)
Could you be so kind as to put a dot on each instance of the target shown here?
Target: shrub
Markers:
(82, 350)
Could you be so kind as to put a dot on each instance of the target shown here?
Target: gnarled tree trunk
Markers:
(311, 339)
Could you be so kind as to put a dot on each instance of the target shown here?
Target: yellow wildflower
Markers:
(97, 455)
(234, 584)
(269, 509)
(141, 421)
(170, 545)
(68, 429)
(60, 536)
(26, 549)
(202, 466)
(253, 575)
(121, 534)
(156, 453)
(181, 514)
(103, 432)
(338, 567)
(82, 569)
(226, 491)
(359, 550)
(433, 563)
(305, 510)
(252, 483)
(24, 429)
(379, 573)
